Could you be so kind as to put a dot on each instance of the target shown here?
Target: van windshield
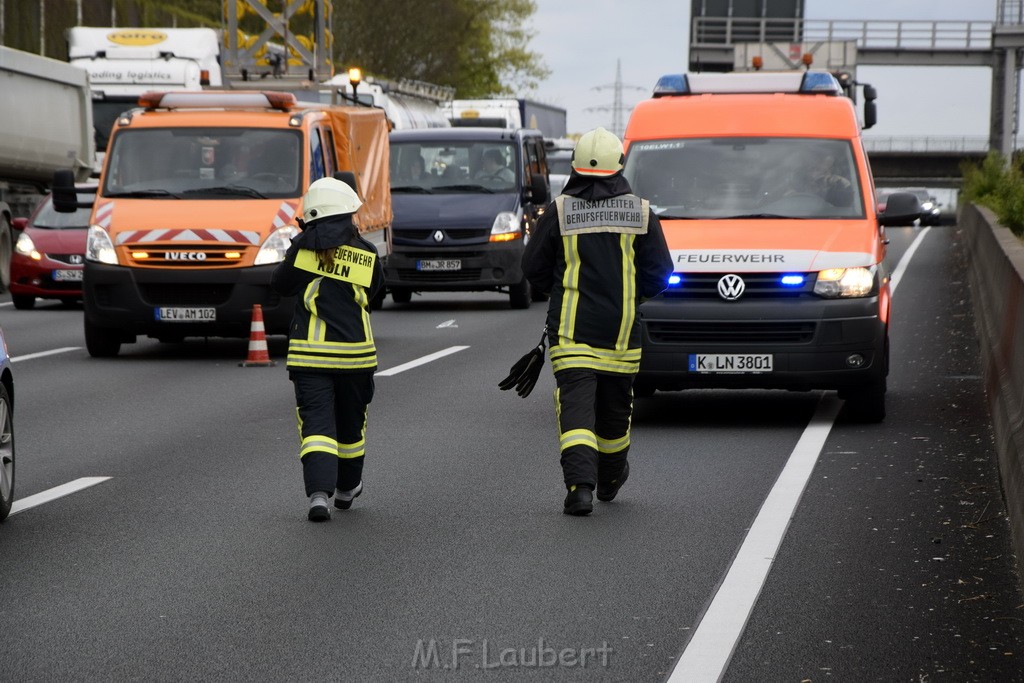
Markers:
(204, 163)
(746, 178)
(452, 166)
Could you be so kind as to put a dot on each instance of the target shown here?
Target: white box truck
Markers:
(123, 63)
(47, 126)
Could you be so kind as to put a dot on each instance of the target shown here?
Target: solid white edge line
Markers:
(901, 267)
(421, 361)
(710, 649)
(55, 493)
(42, 354)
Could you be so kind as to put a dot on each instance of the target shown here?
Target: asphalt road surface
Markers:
(758, 539)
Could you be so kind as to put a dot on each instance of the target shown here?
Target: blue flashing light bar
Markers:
(672, 84)
(820, 81)
(792, 280)
(675, 279)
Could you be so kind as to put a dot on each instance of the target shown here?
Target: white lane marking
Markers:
(707, 655)
(901, 267)
(6, 303)
(42, 354)
(55, 493)
(421, 361)
(712, 645)
(448, 323)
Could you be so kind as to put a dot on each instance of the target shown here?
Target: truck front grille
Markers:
(187, 256)
(464, 275)
(185, 294)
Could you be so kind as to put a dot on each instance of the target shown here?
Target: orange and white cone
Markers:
(258, 354)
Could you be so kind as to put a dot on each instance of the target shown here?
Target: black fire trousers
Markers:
(594, 411)
(331, 408)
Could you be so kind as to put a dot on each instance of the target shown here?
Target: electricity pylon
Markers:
(617, 108)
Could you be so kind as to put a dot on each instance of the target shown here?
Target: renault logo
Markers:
(730, 287)
(438, 235)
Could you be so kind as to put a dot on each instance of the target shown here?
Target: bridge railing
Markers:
(900, 35)
(924, 144)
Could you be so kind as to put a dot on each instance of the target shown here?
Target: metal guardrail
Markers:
(899, 35)
(1011, 12)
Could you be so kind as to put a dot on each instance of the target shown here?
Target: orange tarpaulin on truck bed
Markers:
(361, 146)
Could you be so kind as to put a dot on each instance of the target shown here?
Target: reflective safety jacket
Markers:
(599, 251)
(330, 330)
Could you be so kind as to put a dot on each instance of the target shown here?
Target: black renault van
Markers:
(464, 201)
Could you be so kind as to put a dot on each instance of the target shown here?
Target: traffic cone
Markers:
(258, 355)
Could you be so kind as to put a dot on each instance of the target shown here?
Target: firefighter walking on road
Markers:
(598, 250)
(334, 273)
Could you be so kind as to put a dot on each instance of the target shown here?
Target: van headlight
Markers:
(274, 249)
(506, 227)
(835, 283)
(98, 246)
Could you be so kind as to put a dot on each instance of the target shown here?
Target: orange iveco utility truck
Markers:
(198, 200)
(763, 187)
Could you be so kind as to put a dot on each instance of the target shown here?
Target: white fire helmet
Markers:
(329, 197)
(598, 153)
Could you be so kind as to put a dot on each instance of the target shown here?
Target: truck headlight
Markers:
(506, 227)
(274, 249)
(26, 247)
(835, 283)
(98, 246)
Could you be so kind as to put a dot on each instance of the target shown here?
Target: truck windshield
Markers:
(746, 178)
(455, 166)
(204, 163)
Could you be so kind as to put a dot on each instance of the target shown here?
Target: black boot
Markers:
(579, 500)
(607, 492)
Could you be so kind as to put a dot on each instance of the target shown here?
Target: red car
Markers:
(49, 255)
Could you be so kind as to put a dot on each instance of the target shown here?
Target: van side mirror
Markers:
(347, 177)
(538, 190)
(65, 199)
(901, 208)
(870, 113)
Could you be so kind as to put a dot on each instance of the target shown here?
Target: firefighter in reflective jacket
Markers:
(334, 273)
(599, 251)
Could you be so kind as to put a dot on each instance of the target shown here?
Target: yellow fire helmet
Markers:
(329, 197)
(598, 153)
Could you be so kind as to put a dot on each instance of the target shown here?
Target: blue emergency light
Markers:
(672, 84)
(675, 279)
(792, 280)
(805, 82)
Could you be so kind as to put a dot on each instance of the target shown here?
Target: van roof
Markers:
(743, 115)
(469, 133)
(219, 118)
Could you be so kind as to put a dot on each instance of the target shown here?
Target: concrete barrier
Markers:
(996, 274)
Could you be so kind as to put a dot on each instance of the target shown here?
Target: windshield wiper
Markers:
(412, 188)
(761, 215)
(143, 193)
(662, 216)
(468, 188)
(242, 190)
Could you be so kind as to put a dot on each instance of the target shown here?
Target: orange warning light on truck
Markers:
(764, 190)
(198, 201)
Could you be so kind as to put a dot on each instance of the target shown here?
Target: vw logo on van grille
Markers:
(730, 287)
(438, 235)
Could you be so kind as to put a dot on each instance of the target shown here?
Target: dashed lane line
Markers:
(55, 493)
(421, 361)
(43, 354)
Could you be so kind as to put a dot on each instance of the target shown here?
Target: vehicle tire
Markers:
(23, 302)
(401, 295)
(6, 453)
(101, 342)
(865, 404)
(519, 294)
(6, 252)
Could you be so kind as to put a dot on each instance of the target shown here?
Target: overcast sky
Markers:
(580, 41)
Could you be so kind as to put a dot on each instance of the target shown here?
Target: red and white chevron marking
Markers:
(285, 212)
(104, 213)
(186, 235)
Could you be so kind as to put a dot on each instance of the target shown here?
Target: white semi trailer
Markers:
(46, 115)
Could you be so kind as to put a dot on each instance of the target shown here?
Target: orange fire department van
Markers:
(197, 203)
(764, 190)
